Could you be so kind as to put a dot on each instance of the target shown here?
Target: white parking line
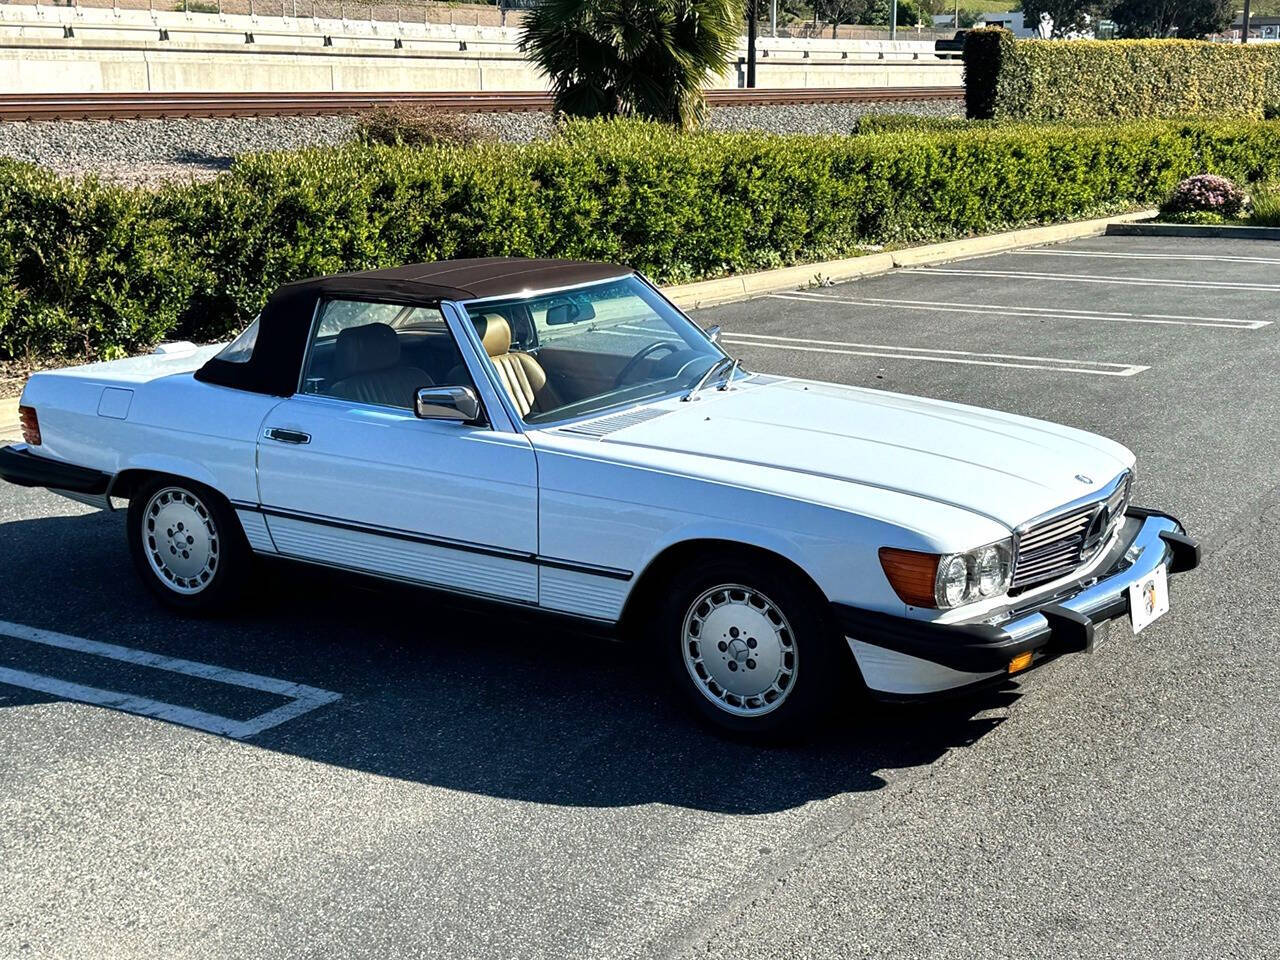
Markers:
(1038, 313)
(303, 698)
(1087, 367)
(1049, 252)
(1091, 278)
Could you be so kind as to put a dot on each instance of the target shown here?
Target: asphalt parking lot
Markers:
(389, 778)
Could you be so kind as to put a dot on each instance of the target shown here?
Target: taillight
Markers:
(30, 425)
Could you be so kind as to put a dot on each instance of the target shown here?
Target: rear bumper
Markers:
(905, 658)
(20, 466)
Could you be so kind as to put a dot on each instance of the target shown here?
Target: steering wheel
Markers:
(645, 353)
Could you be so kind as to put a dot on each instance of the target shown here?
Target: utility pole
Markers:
(751, 42)
(773, 19)
(1244, 33)
(893, 21)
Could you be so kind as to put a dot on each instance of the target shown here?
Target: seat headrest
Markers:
(365, 349)
(494, 333)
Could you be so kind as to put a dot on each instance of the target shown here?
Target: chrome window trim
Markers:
(658, 290)
(546, 291)
(359, 405)
(306, 350)
(495, 400)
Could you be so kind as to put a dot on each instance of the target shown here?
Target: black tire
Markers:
(818, 666)
(218, 584)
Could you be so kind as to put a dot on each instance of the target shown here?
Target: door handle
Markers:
(287, 436)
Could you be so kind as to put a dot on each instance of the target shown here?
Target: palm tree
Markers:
(645, 58)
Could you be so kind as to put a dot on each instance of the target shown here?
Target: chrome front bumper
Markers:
(1047, 625)
(1160, 539)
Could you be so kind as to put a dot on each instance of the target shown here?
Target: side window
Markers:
(380, 353)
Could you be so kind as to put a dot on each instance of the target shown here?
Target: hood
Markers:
(1001, 466)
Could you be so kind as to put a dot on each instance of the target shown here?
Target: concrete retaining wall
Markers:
(72, 50)
(77, 66)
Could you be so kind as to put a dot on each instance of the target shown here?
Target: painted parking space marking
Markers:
(1036, 313)
(303, 699)
(1058, 364)
(1117, 255)
(1098, 278)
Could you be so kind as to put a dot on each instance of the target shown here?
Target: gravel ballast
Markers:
(152, 151)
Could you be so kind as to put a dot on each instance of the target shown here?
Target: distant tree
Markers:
(644, 58)
(870, 12)
(1187, 19)
(1068, 15)
(909, 13)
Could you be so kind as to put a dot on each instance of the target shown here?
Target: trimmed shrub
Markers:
(1031, 80)
(88, 268)
(1205, 193)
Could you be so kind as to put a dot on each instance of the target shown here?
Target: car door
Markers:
(349, 477)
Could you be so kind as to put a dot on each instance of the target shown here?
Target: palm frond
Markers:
(647, 58)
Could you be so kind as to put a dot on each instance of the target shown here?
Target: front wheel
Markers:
(750, 646)
(187, 545)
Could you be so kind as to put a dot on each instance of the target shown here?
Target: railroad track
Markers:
(121, 106)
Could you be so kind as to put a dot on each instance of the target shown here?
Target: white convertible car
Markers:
(556, 435)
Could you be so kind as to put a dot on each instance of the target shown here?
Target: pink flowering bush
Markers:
(1206, 193)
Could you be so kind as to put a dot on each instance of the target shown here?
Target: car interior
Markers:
(549, 355)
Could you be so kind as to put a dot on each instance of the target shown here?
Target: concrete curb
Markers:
(1222, 232)
(706, 293)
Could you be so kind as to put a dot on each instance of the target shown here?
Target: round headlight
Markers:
(990, 571)
(953, 580)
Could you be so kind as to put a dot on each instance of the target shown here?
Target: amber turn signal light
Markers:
(1020, 662)
(30, 425)
(911, 574)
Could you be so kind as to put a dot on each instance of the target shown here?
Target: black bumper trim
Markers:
(969, 647)
(20, 466)
(978, 647)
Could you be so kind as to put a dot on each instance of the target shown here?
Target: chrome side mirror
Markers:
(713, 333)
(459, 404)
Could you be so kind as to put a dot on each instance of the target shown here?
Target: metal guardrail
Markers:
(106, 106)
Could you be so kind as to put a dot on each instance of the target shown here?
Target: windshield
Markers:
(572, 353)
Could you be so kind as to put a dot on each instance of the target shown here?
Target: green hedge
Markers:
(1035, 80)
(88, 269)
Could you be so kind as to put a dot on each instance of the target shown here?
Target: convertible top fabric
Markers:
(285, 323)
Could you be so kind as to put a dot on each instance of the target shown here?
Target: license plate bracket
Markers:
(1149, 599)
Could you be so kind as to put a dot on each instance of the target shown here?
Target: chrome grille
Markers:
(1054, 547)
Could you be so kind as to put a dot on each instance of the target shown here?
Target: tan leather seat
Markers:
(520, 373)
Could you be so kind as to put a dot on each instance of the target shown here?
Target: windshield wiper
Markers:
(728, 381)
(711, 371)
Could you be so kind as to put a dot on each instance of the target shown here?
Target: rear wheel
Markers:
(749, 645)
(187, 545)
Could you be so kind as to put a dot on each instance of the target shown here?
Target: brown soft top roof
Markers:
(474, 279)
(276, 363)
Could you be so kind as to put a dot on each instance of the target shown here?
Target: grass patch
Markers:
(1264, 209)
